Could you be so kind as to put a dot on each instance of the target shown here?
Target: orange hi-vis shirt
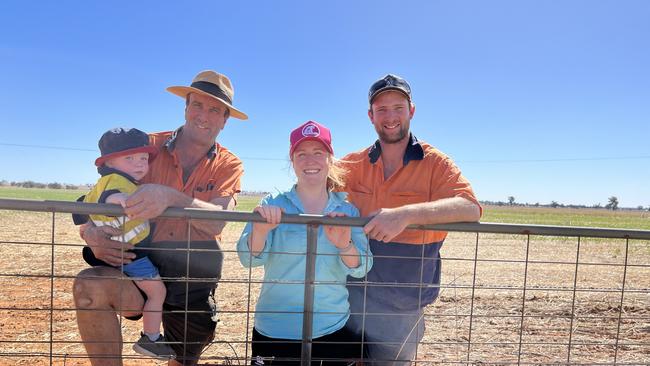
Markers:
(218, 174)
(427, 175)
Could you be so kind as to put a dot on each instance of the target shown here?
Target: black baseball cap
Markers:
(124, 141)
(389, 82)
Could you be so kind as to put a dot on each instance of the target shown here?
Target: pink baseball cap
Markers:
(313, 131)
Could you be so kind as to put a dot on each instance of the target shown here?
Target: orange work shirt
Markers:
(218, 174)
(426, 175)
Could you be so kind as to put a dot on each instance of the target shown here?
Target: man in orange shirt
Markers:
(401, 181)
(191, 170)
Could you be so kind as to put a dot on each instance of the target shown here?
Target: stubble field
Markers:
(495, 307)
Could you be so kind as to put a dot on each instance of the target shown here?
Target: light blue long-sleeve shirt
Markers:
(280, 304)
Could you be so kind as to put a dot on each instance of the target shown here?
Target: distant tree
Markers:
(71, 186)
(54, 185)
(554, 204)
(597, 205)
(31, 184)
(639, 207)
(612, 203)
(536, 204)
(511, 200)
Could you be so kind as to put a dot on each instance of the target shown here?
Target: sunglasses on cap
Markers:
(389, 82)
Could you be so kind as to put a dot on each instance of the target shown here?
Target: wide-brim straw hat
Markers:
(213, 85)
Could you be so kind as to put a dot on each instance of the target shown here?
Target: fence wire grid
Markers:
(509, 295)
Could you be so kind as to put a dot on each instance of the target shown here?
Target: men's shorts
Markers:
(390, 335)
(193, 330)
(201, 324)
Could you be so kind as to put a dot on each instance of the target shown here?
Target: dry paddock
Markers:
(591, 319)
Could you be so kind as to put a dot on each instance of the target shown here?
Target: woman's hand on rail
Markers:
(272, 215)
(338, 235)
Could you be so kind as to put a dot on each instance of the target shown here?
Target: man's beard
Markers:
(393, 139)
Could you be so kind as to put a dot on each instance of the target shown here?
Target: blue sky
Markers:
(541, 100)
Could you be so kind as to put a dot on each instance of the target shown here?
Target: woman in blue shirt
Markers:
(281, 249)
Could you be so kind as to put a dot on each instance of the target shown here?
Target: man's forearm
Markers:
(213, 227)
(447, 210)
(388, 223)
(181, 200)
(151, 200)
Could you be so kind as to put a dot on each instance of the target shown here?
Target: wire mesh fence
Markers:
(510, 294)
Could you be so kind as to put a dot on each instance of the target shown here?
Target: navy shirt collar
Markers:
(170, 144)
(414, 151)
(104, 171)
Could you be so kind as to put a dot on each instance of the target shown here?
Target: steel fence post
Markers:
(310, 277)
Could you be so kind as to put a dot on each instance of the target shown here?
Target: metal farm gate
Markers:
(510, 294)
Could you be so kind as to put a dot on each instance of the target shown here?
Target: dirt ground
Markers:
(512, 311)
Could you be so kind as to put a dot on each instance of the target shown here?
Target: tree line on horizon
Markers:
(56, 185)
(32, 184)
(612, 202)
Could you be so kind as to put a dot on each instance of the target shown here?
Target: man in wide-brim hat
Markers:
(213, 85)
(191, 170)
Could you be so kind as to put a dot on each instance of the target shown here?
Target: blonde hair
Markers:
(336, 174)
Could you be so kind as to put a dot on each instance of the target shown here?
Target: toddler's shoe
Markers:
(158, 349)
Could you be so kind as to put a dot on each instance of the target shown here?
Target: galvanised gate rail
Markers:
(641, 343)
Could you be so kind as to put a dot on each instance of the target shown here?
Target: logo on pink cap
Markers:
(311, 130)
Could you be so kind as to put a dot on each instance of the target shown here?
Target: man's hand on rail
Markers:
(110, 251)
(386, 224)
(150, 200)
